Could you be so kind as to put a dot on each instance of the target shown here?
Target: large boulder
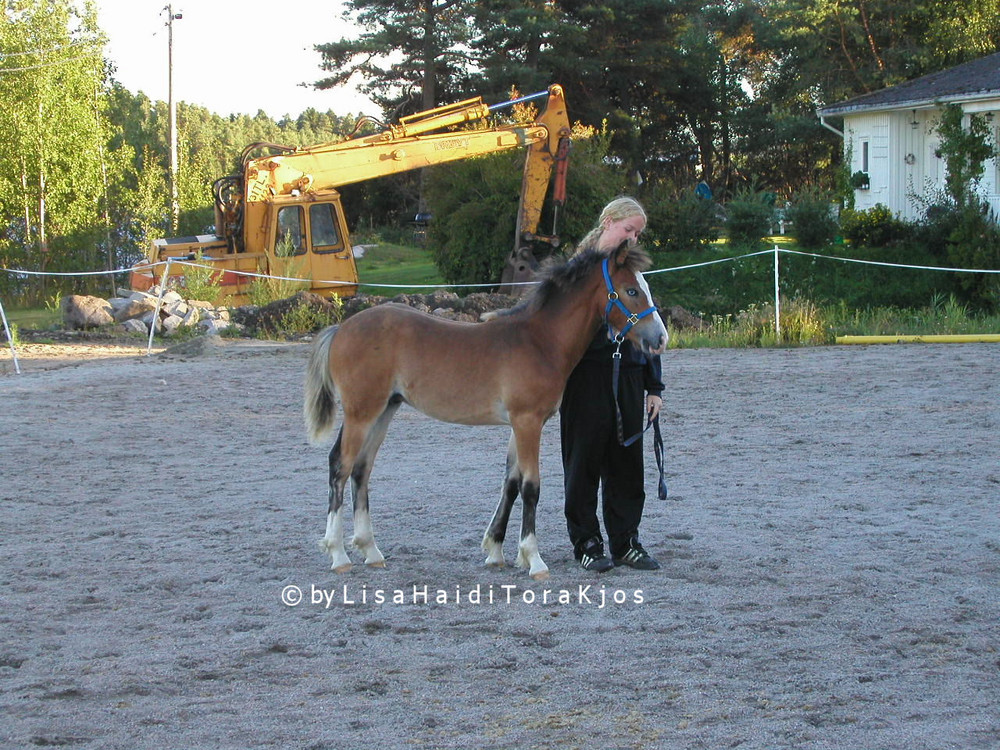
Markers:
(127, 309)
(80, 311)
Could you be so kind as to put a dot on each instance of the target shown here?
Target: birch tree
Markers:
(53, 125)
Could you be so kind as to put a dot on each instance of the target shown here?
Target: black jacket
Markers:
(602, 348)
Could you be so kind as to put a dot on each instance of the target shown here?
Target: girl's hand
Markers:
(653, 404)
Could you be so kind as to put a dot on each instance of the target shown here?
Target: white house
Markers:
(890, 135)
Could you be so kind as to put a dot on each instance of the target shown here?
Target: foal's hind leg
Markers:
(364, 539)
(343, 458)
(497, 530)
(333, 541)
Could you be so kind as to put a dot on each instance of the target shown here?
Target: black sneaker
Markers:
(636, 557)
(593, 557)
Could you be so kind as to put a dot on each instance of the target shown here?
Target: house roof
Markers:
(978, 79)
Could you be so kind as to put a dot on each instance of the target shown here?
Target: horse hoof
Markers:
(541, 575)
(345, 568)
(376, 564)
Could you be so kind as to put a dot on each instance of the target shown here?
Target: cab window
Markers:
(323, 223)
(291, 233)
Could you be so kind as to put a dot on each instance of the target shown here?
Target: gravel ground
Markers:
(830, 550)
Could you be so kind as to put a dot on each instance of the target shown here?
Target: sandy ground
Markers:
(830, 550)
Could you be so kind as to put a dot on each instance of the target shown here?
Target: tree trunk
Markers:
(429, 93)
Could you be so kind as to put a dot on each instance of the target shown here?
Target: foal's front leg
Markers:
(528, 434)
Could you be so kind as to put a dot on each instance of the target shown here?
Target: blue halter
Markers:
(631, 318)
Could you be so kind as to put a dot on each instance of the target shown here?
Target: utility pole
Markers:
(175, 208)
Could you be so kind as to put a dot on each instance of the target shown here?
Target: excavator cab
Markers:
(310, 241)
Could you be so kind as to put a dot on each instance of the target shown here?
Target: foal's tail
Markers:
(320, 405)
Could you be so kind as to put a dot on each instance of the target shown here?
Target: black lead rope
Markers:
(616, 359)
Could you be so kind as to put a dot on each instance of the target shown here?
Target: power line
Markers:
(46, 51)
(50, 64)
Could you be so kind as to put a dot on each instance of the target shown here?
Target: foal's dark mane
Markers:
(559, 275)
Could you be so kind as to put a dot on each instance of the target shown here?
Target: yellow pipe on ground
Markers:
(958, 338)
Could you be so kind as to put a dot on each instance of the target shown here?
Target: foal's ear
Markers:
(620, 256)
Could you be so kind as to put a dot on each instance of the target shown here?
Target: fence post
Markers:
(159, 301)
(777, 299)
(10, 339)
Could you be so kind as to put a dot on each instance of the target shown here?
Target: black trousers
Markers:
(593, 457)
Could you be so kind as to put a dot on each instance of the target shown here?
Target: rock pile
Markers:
(267, 320)
(136, 312)
(440, 302)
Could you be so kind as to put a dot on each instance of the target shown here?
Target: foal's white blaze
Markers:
(333, 542)
(528, 557)
(649, 295)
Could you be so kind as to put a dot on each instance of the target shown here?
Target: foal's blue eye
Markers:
(632, 292)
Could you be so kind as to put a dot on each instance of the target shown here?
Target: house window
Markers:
(864, 156)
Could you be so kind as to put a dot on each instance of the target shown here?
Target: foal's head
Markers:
(641, 324)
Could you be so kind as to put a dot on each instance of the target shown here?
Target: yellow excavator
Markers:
(282, 214)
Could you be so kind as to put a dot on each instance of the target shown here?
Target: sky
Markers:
(230, 57)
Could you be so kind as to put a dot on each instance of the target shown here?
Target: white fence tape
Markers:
(892, 265)
(775, 251)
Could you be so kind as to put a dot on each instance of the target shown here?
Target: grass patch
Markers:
(35, 318)
(945, 315)
(803, 323)
(397, 264)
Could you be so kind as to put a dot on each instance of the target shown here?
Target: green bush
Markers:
(963, 236)
(680, 222)
(201, 281)
(873, 227)
(975, 243)
(727, 288)
(933, 231)
(475, 204)
(748, 219)
(303, 319)
(814, 224)
(267, 289)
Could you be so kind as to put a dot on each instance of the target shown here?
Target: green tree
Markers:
(516, 44)
(841, 48)
(410, 54)
(54, 184)
(665, 75)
